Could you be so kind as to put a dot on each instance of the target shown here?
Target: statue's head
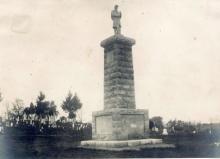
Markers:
(116, 7)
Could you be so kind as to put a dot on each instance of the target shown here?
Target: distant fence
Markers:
(77, 131)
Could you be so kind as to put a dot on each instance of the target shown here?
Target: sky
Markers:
(53, 46)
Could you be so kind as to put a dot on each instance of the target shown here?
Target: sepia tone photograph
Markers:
(109, 79)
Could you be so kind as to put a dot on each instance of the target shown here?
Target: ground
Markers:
(65, 147)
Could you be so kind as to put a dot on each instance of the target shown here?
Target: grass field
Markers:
(65, 147)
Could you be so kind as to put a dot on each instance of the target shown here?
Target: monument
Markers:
(120, 126)
(120, 120)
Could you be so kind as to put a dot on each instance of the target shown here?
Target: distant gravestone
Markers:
(120, 120)
(165, 132)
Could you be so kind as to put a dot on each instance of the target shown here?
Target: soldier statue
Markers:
(116, 16)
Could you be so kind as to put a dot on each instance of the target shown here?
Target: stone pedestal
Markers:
(120, 120)
(120, 124)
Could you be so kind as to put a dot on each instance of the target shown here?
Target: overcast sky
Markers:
(54, 46)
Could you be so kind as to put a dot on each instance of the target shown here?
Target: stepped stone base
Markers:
(125, 144)
(120, 124)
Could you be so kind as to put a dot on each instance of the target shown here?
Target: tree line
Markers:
(38, 118)
(179, 127)
(42, 110)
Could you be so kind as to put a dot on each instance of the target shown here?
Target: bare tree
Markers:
(17, 109)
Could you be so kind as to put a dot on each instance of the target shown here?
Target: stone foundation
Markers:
(120, 124)
(125, 144)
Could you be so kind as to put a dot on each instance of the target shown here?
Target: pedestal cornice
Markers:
(118, 38)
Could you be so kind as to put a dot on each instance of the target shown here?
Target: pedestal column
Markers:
(118, 73)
